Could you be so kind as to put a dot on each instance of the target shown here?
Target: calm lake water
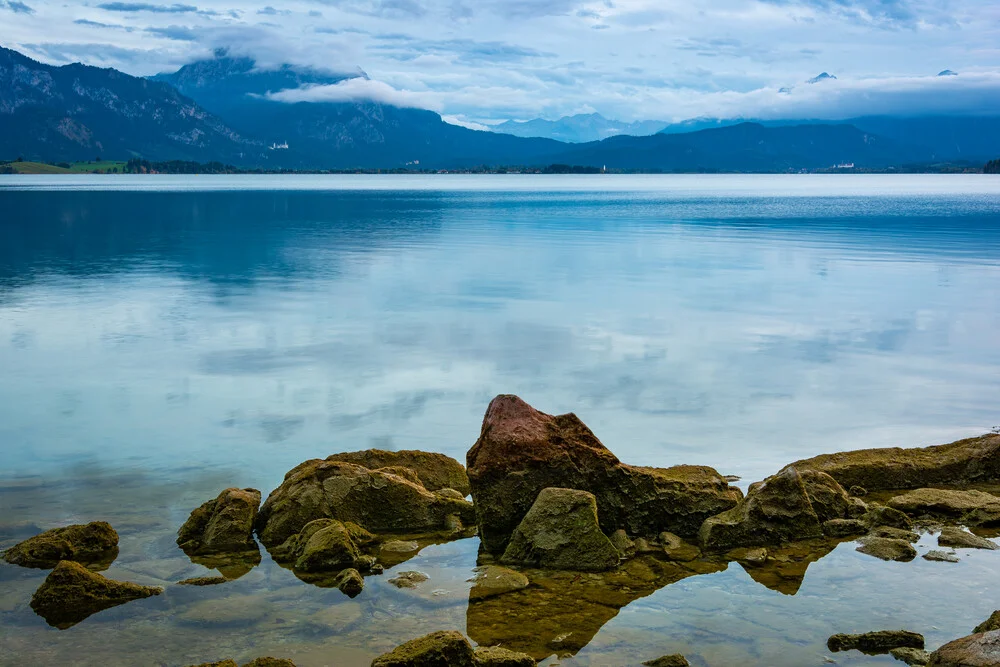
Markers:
(162, 338)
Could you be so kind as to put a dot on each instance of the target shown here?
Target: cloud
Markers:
(380, 8)
(271, 11)
(17, 7)
(883, 13)
(147, 7)
(175, 32)
(404, 47)
(355, 90)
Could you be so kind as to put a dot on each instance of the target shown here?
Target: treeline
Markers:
(140, 166)
(992, 167)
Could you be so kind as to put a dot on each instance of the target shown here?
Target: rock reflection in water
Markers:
(785, 567)
(230, 565)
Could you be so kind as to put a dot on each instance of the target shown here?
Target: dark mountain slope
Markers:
(745, 147)
(321, 135)
(77, 112)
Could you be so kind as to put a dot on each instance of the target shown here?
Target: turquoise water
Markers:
(162, 338)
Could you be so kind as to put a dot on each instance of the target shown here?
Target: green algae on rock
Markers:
(521, 451)
(434, 471)
(561, 532)
(911, 656)
(675, 660)
(991, 623)
(94, 544)
(970, 460)
(377, 501)
(974, 508)
(874, 643)
(71, 593)
(223, 524)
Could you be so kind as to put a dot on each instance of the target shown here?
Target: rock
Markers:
(978, 650)
(453, 523)
(224, 524)
(643, 546)
(974, 508)
(873, 643)
(956, 537)
(844, 527)
(624, 545)
(779, 509)
(408, 579)
(95, 544)
(521, 451)
(220, 663)
(858, 491)
(561, 532)
(434, 471)
(350, 582)
(202, 581)
(71, 593)
(400, 546)
(438, 649)
(675, 660)
(751, 556)
(991, 623)
(450, 493)
(495, 656)
(941, 556)
(374, 500)
(887, 548)
(492, 580)
(270, 662)
(880, 515)
(894, 533)
(325, 545)
(677, 549)
(911, 656)
(971, 460)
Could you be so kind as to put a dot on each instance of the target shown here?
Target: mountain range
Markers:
(222, 109)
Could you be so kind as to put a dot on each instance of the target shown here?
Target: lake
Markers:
(163, 338)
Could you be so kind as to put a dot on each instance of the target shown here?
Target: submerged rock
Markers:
(991, 623)
(940, 556)
(981, 649)
(492, 580)
(874, 643)
(625, 546)
(844, 527)
(521, 451)
(434, 471)
(496, 656)
(887, 548)
(376, 501)
(71, 593)
(675, 660)
(911, 656)
(202, 581)
(94, 544)
(970, 460)
(223, 524)
(408, 579)
(561, 532)
(952, 536)
(675, 548)
(974, 508)
(783, 508)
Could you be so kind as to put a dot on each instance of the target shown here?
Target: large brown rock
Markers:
(974, 508)
(94, 544)
(376, 501)
(978, 650)
(223, 524)
(785, 507)
(561, 532)
(970, 460)
(435, 471)
(71, 593)
(521, 451)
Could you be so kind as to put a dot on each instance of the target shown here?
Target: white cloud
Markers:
(353, 90)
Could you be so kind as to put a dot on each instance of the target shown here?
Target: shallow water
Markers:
(164, 338)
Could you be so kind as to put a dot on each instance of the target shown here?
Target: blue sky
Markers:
(488, 60)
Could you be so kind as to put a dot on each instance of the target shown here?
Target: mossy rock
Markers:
(887, 548)
(974, 508)
(875, 643)
(71, 593)
(223, 524)
(446, 648)
(561, 532)
(94, 544)
(434, 471)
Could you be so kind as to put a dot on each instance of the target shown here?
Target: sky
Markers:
(483, 61)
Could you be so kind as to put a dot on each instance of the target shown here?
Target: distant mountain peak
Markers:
(822, 76)
(947, 72)
(579, 128)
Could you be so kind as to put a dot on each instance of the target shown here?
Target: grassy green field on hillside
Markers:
(75, 168)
